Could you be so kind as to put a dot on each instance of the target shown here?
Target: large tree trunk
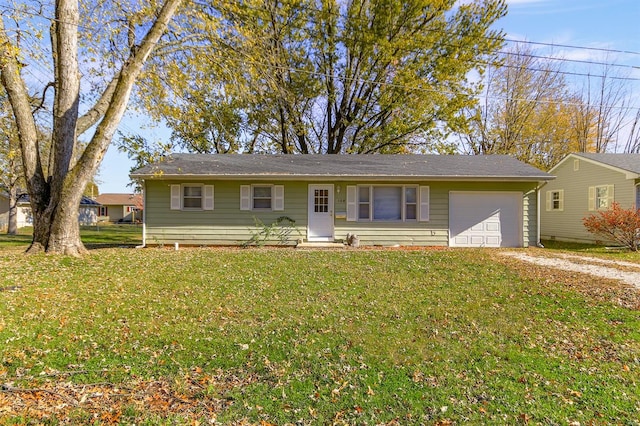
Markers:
(56, 228)
(55, 198)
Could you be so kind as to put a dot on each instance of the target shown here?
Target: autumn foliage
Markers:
(618, 224)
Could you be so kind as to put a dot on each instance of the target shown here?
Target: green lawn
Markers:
(107, 235)
(316, 337)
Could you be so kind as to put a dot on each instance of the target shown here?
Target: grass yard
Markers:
(104, 235)
(284, 336)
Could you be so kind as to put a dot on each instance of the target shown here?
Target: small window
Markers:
(103, 211)
(576, 165)
(555, 200)
(321, 200)
(262, 197)
(188, 197)
(600, 197)
(192, 197)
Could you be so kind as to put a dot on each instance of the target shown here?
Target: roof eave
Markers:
(289, 177)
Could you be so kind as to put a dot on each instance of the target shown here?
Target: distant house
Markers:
(419, 200)
(4, 210)
(585, 184)
(87, 213)
(120, 207)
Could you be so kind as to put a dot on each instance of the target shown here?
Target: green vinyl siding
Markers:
(566, 225)
(435, 231)
(228, 225)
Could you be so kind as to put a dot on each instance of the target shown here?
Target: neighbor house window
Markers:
(387, 203)
(600, 197)
(103, 211)
(555, 200)
(262, 197)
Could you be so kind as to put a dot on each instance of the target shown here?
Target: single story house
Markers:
(408, 200)
(585, 184)
(87, 213)
(120, 207)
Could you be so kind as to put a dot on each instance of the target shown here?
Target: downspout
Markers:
(144, 215)
(539, 243)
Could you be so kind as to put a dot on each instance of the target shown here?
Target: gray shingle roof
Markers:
(628, 162)
(84, 201)
(441, 167)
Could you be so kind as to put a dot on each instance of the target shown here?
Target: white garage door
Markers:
(485, 219)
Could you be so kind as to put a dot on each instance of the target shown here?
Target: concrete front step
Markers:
(318, 245)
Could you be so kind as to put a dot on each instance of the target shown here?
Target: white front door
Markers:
(320, 220)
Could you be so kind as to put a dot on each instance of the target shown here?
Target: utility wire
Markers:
(365, 81)
(337, 14)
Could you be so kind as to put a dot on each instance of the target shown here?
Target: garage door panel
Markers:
(485, 219)
(477, 239)
(461, 240)
(492, 227)
(492, 241)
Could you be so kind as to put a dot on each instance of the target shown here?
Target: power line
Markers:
(569, 46)
(365, 81)
(508, 40)
(579, 61)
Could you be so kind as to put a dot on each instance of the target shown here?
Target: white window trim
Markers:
(549, 200)
(422, 203)
(277, 197)
(177, 197)
(593, 192)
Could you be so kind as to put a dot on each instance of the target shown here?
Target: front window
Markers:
(192, 197)
(364, 204)
(262, 197)
(387, 203)
(102, 211)
(411, 202)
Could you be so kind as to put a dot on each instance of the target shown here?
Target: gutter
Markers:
(539, 187)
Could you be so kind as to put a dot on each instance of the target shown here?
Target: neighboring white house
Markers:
(87, 214)
(585, 184)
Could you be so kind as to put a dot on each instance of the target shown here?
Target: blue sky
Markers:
(602, 24)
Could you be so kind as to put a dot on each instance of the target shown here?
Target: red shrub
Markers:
(618, 224)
